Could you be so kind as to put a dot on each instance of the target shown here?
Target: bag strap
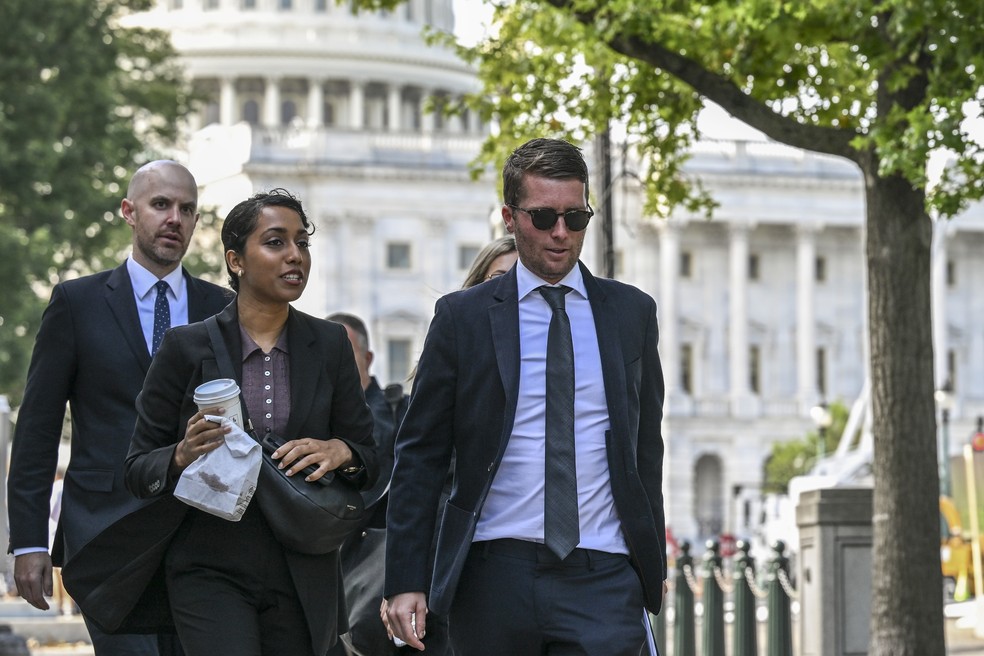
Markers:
(224, 361)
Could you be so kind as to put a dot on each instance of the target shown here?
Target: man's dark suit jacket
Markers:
(464, 400)
(326, 401)
(91, 352)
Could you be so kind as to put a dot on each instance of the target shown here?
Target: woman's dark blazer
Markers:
(326, 401)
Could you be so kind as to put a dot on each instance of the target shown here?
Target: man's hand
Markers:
(407, 614)
(32, 573)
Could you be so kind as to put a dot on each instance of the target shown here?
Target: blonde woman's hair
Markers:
(479, 269)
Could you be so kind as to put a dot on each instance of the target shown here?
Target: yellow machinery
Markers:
(955, 554)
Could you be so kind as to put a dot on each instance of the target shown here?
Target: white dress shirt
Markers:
(145, 294)
(514, 506)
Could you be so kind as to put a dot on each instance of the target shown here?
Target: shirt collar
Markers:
(250, 346)
(527, 281)
(143, 281)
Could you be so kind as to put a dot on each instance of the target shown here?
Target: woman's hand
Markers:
(326, 455)
(201, 436)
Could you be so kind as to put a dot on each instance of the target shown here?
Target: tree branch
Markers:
(784, 129)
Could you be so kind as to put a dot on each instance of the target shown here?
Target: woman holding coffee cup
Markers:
(233, 587)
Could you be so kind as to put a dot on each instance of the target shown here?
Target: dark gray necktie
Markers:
(561, 532)
(162, 316)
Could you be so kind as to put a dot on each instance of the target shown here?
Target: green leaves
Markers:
(884, 81)
(83, 101)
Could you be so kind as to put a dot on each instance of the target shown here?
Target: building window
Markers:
(619, 263)
(754, 369)
(251, 112)
(321, 6)
(211, 112)
(398, 255)
(398, 351)
(210, 4)
(686, 264)
(820, 269)
(467, 255)
(687, 368)
(753, 266)
(951, 369)
(177, 4)
(951, 273)
(285, 5)
(288, 110)
(249, 4)
(822, 372)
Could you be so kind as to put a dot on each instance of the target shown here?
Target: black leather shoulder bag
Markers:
(307, 517)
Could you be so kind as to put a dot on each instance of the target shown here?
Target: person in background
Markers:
(233, 587)
(545, 385)
(388, 407)
(495, 259)
(92, 351)
(363, 553)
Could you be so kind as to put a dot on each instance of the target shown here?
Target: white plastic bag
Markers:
(223, 481)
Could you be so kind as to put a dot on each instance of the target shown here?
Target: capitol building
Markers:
(761, 308)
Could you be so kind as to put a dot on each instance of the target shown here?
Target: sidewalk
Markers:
(47, 633)
(60, 635)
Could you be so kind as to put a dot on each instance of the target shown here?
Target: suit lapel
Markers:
(196, 299)
(119, 297)
(504, 321)
(199, 298)
(610, 348)
(305, 362)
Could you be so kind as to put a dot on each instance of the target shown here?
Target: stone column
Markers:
(227, 101)
(474, 122)
(359, 273)
(357, 104)
(271, 103)
(834, 584)
(319, 296)
(455, 124)
(738, 318)
(316, 103)
(806, 348)
(669, 347)
(394, 106)
(426, 116)
(429, 257)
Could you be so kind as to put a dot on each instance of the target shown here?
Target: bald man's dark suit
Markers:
(464, 401)
(91, 353)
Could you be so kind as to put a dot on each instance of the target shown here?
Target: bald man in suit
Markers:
(92, 352)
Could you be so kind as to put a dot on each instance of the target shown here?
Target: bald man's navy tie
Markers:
(561, 532)
(162, 316)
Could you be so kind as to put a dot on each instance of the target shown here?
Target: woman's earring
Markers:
(240, 273)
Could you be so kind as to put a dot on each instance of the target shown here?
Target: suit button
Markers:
(491, 465)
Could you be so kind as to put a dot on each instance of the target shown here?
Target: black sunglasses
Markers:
(546, 218)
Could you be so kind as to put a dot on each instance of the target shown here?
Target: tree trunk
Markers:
(907, 601)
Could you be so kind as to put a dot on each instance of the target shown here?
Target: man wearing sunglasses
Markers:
(545, 386)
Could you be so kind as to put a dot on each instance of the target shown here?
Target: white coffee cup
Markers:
(221, 393)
